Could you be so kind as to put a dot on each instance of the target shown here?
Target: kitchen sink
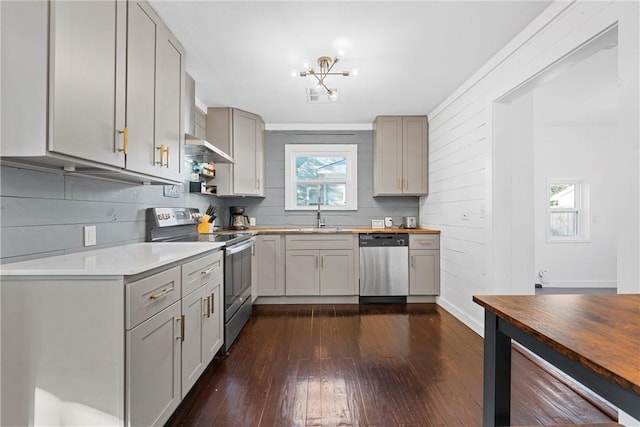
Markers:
(321, 230)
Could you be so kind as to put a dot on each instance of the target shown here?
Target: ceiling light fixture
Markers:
(326, 64)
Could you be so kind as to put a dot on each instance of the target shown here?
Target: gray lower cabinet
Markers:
(424, 264)
(269, 262)
(321, 264)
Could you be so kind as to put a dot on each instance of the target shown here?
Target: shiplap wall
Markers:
(43, 213)
(468, 204)
(270, 210)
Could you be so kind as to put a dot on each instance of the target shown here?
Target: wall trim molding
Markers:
(461, 315)
(318, 126)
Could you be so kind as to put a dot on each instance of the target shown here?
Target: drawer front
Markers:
(151, 295)
(319, 241)
(201, 271)
(424, 241)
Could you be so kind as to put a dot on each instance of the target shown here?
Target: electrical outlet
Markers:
(90, 235)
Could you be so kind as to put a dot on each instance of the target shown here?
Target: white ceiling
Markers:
(411, 55)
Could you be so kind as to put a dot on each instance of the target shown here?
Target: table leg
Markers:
(497, 374)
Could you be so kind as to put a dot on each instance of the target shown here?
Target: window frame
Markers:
(349, 151)
(581, 195)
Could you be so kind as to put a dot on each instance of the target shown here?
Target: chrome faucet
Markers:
(321, 222)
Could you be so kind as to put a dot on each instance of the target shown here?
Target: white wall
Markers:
(585, 153)
(463, 155)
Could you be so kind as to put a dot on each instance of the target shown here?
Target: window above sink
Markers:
(321, 174)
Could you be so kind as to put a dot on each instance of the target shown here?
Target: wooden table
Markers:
(593, 338)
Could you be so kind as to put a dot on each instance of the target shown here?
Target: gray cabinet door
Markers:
(87, 55)
(245, 152)
(142, 155)
(387, 156)
(270, 265)
(424, 272)
(194, 312)
(415, 153)
(153, 368)
(214, 321)
(302, 275)
(169, 88)
(336, 273)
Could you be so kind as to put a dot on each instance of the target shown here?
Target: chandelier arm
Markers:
(320, 80)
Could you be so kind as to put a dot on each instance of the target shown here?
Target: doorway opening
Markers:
(557, 185)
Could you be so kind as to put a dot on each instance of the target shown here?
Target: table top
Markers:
(117, 261)
(601, 332)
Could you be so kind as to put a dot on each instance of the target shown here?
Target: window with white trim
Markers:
(325, 174)
(567, 209)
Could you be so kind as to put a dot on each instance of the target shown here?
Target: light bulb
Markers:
(306, 64)
(355, 72)
(318, 86)
(333, 95)
(293, 72)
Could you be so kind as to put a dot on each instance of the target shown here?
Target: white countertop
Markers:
(117, 261)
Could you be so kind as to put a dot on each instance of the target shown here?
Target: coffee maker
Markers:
(237, 219)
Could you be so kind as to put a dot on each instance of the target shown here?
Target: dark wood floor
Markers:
(366, 365)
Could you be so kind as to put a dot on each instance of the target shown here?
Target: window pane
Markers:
(564, 224)
(562, 195)
(321, 168)
(330, 194)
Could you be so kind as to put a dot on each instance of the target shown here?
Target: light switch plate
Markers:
(377, 223)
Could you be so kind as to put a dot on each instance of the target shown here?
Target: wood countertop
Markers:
(601, 332)
(340, 230)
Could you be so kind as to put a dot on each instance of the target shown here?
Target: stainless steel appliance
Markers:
(237, 219)
(384, 267)
(409, 222)
(181, 225)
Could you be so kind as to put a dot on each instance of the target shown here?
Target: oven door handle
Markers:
(239, 248)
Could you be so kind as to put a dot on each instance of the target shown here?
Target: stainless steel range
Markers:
(181, 225)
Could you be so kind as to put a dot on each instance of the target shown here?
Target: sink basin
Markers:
(320, 230)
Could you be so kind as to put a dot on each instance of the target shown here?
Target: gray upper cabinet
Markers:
(155, 69)
(92, 88)
(400, 156)
(241, 135)
(86, 53)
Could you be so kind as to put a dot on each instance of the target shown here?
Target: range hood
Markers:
(197, 148)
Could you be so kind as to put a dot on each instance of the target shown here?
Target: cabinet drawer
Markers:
(319, 241)
(201, 271)
(151, 295)
(424, 241)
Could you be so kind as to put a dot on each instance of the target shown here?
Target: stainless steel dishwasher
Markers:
(384, 267)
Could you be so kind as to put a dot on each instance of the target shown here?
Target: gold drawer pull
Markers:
(426, 242)
(163, 293)
(207, 271)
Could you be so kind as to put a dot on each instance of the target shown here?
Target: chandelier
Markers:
(325, 64)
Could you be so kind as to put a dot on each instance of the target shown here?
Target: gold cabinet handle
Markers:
(322, 261)
(161, 148)
(316, 262)
(206, 302)
(213, 303)
(400, 183)
(163, 293)
(125, 140)
(412, 264)
(180, 319)
(167, 150)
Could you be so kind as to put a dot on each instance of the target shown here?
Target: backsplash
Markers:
(43, 213)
